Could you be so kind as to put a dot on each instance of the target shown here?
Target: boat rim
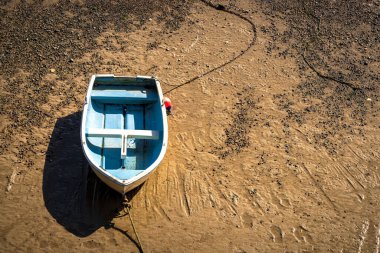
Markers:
(165, 132)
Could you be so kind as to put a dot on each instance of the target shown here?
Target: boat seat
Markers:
(122, 96)
(124, 134)
(124, 174)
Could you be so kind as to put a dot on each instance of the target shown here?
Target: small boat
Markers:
(124, 131)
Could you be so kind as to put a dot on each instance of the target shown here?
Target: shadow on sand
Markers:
(73, 194)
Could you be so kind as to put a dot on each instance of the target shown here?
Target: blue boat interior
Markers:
(124, 104)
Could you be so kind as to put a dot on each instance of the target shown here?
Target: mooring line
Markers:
(128, 209)
(350, 85)
(253, 41)
(314, 69)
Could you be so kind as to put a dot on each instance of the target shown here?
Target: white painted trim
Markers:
(138, 134)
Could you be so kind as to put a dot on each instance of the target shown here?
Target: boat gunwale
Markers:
(148, 170)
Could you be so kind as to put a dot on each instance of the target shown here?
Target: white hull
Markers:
(121, 188)
(119, 185)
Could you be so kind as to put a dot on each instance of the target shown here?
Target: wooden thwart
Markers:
(124, 134)
(138, 134)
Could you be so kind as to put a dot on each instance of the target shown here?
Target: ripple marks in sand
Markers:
(185, 189)
(177, 191)
(281, 201)
(317, 185)
(301, 234)
(352, 181)
(189, 142)
(277, 234)
(247, 220)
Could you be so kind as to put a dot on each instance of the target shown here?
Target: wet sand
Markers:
(277, 151)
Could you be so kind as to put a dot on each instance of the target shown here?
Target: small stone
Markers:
(220, 7)
(52, 70)
(369, 99)
(71, 60)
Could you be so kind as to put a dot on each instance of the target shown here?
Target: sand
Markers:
(277, 151)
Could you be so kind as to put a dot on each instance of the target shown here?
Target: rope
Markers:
(253, 41)
(319, 74)
(350, 85)
(127, 208)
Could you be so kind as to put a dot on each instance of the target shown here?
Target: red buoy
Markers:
(168, 105)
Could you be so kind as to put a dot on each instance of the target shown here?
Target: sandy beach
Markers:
(273, 141)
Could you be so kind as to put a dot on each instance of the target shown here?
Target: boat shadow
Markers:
(72, 193)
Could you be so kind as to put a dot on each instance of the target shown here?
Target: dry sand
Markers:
(278, 151)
